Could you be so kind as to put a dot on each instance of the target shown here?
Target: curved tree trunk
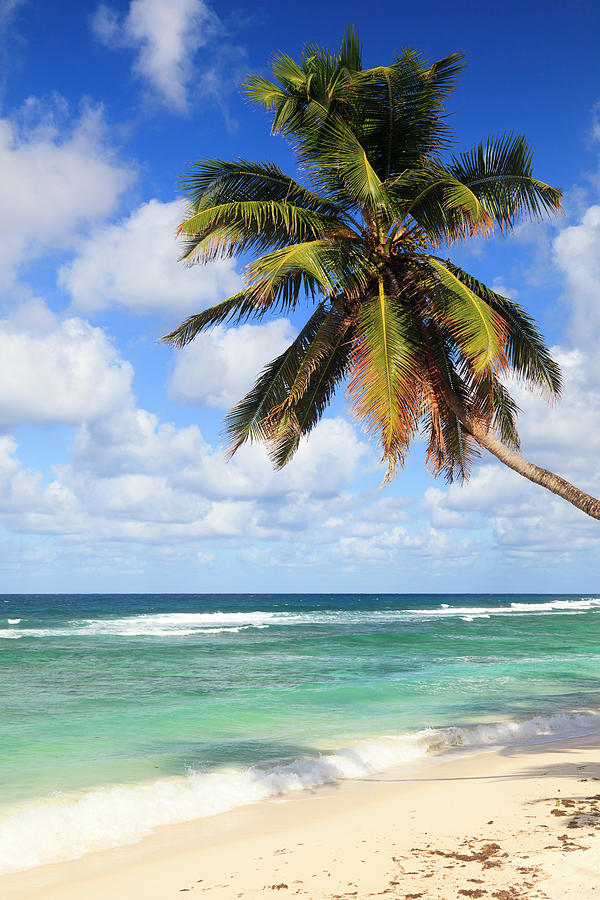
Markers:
(560, 486)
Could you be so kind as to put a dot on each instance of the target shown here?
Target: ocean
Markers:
(121, 713)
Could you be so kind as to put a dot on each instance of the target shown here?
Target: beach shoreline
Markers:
(523, 820)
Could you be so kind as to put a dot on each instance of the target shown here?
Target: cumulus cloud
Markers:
(565, 436)
(131, 478)
(527, 522)
(58, 371)
(134, 264)
(577, 255)
(54, 181)
(166, 35)
(133, 441)
(220, 366)
(397, 543)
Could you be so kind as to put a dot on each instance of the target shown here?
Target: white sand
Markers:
(481, 826)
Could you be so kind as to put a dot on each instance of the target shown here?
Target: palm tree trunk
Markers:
(585, 502)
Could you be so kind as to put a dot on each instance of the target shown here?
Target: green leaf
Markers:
(342, 160)
(322, 265)
(384, 389)
(249, 419)
(443, 208)
(500, 174)
(324, 366)
(504, 418)
(351, 50)
(451, 449)
(263, 91)
(525, 348)
(475, 326)
(209, 182)
(231, 228)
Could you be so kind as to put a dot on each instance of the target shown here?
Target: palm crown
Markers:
(421, 344)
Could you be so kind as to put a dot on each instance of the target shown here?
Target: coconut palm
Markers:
(421, 344)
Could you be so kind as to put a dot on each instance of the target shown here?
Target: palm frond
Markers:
(398, 112)
(326, 339)
(210, 182)
(323, 80)
(260, 225)
(500, 173)
(475, 327)
(441, 206)
(383, 389)
(340, 164)
(249, 419)
(443, 74)
(460, 449)
(451, 449)
(288, 72)
(504, 418)
(264, 92)
(350, 55)
(526, 350)
(318, 377)
(321, 265)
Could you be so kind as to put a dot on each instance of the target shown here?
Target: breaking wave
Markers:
(186, 624)
(69, 825)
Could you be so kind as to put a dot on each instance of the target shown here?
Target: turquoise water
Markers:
(121, 713)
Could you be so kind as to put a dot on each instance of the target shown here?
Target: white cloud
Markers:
(526, 521)
(398, 546)
(167, 35)
(565, 436)
(26, 504)
(131, 478)
(327, 460)
(133, 441)
(220, 366)
(577, 255)
(53, 182)
(58, 371)
(134, 264)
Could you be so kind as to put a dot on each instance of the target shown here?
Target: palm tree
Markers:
(421, 344)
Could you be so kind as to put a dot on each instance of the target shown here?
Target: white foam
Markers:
(13, 621)
(151, 625)
(66, 826)
(571, 605)
(187, 624)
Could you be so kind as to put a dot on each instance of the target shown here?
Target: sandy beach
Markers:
(517, 822)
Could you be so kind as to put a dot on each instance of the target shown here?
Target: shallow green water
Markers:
(234, 695)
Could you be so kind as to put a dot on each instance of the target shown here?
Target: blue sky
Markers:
(112, 477)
